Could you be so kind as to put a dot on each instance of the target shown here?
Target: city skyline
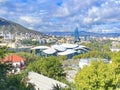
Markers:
(64, 15)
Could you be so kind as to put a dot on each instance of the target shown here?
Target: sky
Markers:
(100, 16)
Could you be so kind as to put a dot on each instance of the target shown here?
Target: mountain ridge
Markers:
(84, 33)
(13, 27)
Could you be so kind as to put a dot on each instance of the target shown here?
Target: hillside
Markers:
(12, 27)
(84, 33)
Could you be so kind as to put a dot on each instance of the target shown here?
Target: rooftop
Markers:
(49, 51)
(40, 47)
(58, 47)
(42, 82)
(69, 45)
(13, 58)
(67, 52)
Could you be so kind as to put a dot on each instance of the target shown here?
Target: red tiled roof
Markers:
(13, 58)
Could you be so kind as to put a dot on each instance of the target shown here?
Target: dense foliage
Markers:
(99, 75)
(3, 51)
(116, 57)
(50, 66)
(29, 58)
(94, 54)
(18, 82)
(98, 50)
(10, 82)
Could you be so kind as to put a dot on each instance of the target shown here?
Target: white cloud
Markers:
(1, 1)
(87, 20)
(30, 19)
(2, 12)
(62, 11)
(93, 11)
(38, 13)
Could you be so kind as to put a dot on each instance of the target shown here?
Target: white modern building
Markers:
(58, 48)
(39, 50)
(86, 61)
(68, 50)
(49, 51)
(69, 46)
(69, 53)
(40, 47)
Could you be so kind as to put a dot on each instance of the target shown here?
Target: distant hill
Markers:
(84, 33)
(12, 27)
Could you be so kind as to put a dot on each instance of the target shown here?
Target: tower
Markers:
(76, 35)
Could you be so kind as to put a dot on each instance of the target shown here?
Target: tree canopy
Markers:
(48, 66)
(10, 82)
(98, 50)
(99, 76)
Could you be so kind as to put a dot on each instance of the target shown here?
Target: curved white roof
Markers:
(49, 51)
(67, 52)
(58, 47)
(69, 45)
(40, 47)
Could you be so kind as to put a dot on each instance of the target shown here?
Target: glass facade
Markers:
(76, 35)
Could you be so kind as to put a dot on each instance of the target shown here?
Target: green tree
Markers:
(116, 57)
(28, 56)
(50, 66)
(10, 82)
(98, 76)
(17, 82)
(94, 54)
(3, 51)
(4, 68)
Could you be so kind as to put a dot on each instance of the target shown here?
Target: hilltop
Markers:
(84, 33)
(12, 27)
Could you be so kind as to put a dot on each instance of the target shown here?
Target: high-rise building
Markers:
(76, 35)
